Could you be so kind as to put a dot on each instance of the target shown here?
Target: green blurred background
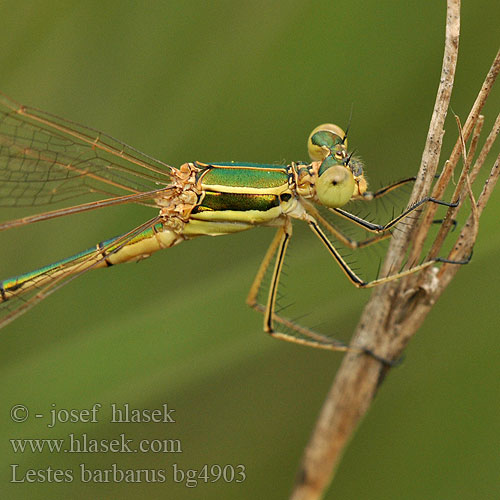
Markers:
(225, 80)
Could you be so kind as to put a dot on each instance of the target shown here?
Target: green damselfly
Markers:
(45, 159)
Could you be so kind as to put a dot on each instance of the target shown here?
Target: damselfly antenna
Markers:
(348, 124)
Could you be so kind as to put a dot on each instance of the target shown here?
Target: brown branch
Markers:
(459, 188)
(439, 188)
(397, 309)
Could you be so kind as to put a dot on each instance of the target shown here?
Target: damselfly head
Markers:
(327, 140)
(340, 176)
(335, 184)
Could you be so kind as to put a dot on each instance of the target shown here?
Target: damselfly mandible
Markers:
(45, 159)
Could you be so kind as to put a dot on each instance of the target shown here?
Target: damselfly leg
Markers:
(286, 329)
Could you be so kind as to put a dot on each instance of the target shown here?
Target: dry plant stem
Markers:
(459, 188)
(396, 309)
(486, 149)
(465, 241)
(432, 149)
(419, 239)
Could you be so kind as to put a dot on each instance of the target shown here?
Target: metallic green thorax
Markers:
(214, 201)
(241, 187)
(246, 176)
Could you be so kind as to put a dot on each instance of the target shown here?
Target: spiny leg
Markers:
(382, 230)
(308, 337)
(373, 195)
(358, 244)
(353, 277)
(264, 265)
(379, 228)
(344, 239)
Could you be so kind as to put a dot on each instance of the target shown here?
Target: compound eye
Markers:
(327, 139)
(335, 186)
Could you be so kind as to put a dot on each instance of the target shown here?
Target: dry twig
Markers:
(397, 309)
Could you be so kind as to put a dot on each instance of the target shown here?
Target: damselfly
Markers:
(45, 159)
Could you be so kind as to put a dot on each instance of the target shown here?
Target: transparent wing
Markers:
(45, 159)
